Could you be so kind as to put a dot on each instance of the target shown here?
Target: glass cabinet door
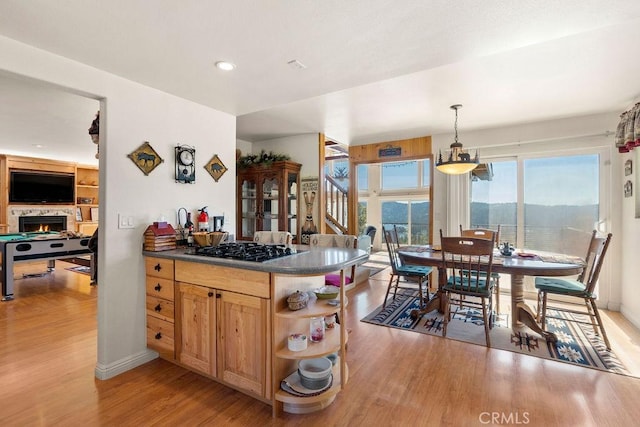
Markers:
(268, 199)
(270, 208)
(292, 203)
(249, 208)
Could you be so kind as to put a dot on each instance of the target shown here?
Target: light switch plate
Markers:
(125, 221)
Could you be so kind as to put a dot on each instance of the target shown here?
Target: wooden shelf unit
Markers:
(285, 361)
(89, 188)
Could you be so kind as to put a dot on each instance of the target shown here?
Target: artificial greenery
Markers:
(263, 158)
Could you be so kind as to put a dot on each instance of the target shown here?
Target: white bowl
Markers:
(319, 368)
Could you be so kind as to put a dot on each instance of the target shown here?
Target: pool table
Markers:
(35, 246)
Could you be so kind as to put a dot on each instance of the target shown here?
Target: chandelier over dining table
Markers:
(458, 161)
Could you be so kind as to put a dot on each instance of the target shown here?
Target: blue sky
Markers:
(569, 180)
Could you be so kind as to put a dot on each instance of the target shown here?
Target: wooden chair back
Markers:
(391, 240)
(481, 233)
(348, 241)
(467, 262)
(273, 237)
(593, 261)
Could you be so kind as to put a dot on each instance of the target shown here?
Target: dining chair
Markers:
(467, 262)
(583, 287)
(348, 241)
(273, 237)
(485, 233)
(416, 276)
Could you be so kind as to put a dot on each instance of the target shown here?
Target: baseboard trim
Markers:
(630, 316)
(104, 372)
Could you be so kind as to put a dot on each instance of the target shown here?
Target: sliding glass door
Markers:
(546, 203)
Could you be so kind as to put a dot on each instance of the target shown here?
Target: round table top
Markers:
(545, 264)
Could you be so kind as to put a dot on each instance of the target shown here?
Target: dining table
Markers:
(517, 265)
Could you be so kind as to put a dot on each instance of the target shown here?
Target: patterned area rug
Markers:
(377, 262)
(577, 344)
(80, 269)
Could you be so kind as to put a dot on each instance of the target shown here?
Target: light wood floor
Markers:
(397, 378)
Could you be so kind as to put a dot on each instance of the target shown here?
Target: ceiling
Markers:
(376, 70)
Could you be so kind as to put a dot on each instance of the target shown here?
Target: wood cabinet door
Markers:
(243, 337)
(197, 346)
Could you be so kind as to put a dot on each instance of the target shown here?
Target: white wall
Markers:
(630, 248)
(245, 147)
(619, 292)
(301, 148)
(131, 114)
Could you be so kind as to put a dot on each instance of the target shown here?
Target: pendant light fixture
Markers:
(458, 161)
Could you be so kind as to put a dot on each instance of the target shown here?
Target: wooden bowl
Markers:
(217, 237)
(201, 238)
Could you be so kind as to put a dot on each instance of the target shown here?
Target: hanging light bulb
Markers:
(458, 161)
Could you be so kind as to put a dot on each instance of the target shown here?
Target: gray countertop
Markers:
(307, 260)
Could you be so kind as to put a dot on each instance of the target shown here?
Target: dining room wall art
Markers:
(146, 158)
(628, 189)
(215, 167)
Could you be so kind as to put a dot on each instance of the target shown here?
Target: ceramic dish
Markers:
(526, 255)
(292, 385)
(327, 292)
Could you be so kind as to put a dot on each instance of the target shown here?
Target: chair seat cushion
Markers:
(414, 270)
(494, 275)
(455, 284)
(559, 285)
(334, 279)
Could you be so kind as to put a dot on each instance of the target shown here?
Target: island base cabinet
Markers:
(160, 306)
(197, 346)
(160, 337)
(243, 336)
(225, 335)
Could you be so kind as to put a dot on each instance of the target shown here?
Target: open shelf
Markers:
(283, 396)
(330, 344)
(314, 308)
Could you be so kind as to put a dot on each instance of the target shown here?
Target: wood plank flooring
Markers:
(397, 378)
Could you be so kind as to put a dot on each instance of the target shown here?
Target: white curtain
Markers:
(458, 211)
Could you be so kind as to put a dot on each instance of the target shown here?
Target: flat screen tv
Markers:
(41, 187)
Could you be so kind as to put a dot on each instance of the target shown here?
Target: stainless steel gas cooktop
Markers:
(245, 251)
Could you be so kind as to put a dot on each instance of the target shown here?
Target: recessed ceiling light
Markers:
(225, 66)
(38, 145)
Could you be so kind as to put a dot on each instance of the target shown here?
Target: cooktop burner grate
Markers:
(245, 251)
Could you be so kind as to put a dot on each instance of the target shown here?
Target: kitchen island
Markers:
(228, 319)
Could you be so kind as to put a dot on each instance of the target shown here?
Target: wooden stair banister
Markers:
(337, 204)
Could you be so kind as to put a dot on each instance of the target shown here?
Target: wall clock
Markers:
(185, 164)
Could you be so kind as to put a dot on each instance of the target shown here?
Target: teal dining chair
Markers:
(583, 288)
(467, 262)
(416, 276)
(485, 233)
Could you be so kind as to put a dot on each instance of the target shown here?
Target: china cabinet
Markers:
(268, 199)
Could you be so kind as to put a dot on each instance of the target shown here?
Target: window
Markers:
(411, 219)
(363, 177)
(399, 175)
(396, 193)
(542, 203)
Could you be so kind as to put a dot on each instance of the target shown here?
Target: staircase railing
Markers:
(337, 204)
